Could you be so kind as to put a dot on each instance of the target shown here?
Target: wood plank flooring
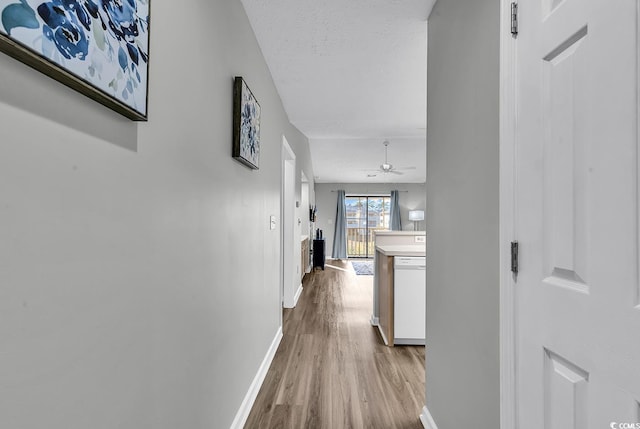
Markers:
(332, 369)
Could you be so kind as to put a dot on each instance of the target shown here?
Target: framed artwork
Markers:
(246, 125)
(97, 47)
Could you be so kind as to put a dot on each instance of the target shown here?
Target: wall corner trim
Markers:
(426, 419)
(254, 388)
(297, 296)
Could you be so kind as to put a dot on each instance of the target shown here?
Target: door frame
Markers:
(287, 221)
(507, 213)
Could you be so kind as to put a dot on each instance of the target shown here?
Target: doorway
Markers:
(288, 213)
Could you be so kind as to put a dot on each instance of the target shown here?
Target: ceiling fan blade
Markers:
(386, 167)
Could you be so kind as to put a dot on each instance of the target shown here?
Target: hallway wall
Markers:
(462, 214)
(326, 200)
(139, 279)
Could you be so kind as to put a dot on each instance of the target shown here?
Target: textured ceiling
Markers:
(358, 160)
(351, 74)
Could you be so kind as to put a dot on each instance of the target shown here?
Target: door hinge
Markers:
(514, 257)
(514, 19)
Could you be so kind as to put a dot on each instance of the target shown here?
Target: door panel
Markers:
(566, 391)
(551, 5)
(577, 330)
(565, 186)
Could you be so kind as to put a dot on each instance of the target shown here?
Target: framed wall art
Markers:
(246, 125)
(97, 47)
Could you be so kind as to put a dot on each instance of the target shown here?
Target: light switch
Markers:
(420, 239)
(272, 222)
(329, 221)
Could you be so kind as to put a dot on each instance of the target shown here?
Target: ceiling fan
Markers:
(386, 167)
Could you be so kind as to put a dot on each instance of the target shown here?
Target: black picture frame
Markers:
(246, 125)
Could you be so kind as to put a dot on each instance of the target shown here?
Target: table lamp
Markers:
(416, 216)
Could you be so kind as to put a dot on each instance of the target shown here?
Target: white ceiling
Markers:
(351, 74)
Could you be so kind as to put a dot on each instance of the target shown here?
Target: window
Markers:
(364, 215)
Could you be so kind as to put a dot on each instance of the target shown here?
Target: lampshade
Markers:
(415, 215)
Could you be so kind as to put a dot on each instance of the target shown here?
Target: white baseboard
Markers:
(297, 295)
(254, 388)
(374, 320)
(427, 420)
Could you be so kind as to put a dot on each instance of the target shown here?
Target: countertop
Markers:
(387, 232)
(402, 249)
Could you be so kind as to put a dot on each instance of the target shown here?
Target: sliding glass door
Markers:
(364, 215)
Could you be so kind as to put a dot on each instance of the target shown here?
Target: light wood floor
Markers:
(332, 369)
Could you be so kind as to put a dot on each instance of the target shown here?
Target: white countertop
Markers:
(387, 232)
(402, 249)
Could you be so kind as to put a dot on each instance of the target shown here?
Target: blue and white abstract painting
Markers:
(104, 43)
(247, 124)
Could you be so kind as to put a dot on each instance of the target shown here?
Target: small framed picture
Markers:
(246, 125)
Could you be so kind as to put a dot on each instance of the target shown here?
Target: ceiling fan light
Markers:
(386, 166)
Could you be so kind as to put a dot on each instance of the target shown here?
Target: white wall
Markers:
(326, 201)
(462, 384)
(138, 275)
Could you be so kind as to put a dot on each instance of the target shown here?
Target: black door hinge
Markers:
(514, 257)
(514, 19)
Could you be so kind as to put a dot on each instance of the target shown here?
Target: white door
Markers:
(576, 217)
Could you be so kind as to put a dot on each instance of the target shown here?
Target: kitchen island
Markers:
(384, 282)
(392, 238)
